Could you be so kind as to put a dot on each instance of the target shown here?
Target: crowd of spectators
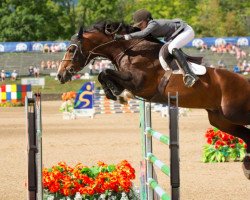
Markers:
(50, 64)
(6, 74)
(225, 48)
(231, 49)
(242, 67)
(51, 49)
(98, 66)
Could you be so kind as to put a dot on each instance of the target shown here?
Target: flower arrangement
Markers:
(11, 104)
(98, 182)
(68, 102)
(222, 147)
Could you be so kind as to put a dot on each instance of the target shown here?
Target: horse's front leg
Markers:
(108, 93)
(117, 81)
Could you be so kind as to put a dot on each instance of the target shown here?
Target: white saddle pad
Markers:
(197, 69)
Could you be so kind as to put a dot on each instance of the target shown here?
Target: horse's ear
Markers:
(79, 35)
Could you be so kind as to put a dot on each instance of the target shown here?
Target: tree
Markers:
(66, 17)
(32, 20)
(221, 18)
(89, 11)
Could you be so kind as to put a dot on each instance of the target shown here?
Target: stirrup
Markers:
(189, 80)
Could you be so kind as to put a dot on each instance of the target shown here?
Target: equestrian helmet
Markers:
(141, 15)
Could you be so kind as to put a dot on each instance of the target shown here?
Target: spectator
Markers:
(96, 66)
(31, 70)
(53, 65)
(57, 48)
(36, 72)
(243, 54)
(14, 75)
(247, 69)
(245, 64)
(236, 69)
(43, 66)
(240, 67)
(49, 64)
(46, 48)
(221, 64)
(213, 48)
(203, 47)
(52, 48)
(3, 75)
(90, 69)
(58, 63)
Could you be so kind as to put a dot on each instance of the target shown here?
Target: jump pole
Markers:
(149, 188)
(34, 147)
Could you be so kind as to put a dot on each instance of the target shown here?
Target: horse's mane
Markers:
(123, 28)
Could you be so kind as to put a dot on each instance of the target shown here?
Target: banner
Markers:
(32, 46)
(33, 81)
(62, 46)
(209, 41)
(84, 101)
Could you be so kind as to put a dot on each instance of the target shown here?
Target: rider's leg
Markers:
(174, 48)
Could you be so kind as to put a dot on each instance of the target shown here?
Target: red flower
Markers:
(209, 141)
(241, 141)
(65, 180)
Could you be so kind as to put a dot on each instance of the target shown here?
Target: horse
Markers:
(223, 94)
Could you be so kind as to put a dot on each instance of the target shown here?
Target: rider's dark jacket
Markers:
(168, 29)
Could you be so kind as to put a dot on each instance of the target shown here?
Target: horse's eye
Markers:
(71, 50)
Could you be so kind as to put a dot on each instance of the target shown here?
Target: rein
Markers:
(130, 47)
(78, 46)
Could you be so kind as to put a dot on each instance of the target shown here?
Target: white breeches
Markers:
(182, 39)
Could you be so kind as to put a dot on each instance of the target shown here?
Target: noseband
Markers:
(71, 70)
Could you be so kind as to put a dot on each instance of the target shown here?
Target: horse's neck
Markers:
(116, 51)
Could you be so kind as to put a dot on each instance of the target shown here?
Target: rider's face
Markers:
(143, 25)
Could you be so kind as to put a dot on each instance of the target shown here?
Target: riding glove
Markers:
(119, 37)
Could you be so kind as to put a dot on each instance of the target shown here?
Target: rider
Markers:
(175, 31)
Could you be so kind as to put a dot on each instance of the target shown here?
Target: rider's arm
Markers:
(152, 25)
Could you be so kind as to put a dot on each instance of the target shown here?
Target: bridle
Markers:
(78, 45)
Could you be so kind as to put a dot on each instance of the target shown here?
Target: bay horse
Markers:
(225, 95)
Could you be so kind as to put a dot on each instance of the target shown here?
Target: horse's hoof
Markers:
(110, 95)
(246, 166)
(116, 92)
(122, 100)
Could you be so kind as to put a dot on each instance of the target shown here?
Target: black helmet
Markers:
(141, 15)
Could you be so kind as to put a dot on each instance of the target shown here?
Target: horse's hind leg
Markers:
(220, 122)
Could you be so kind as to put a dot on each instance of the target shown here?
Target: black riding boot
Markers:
(189, 78)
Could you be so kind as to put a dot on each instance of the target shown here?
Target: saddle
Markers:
(164, 53)
(172, 65)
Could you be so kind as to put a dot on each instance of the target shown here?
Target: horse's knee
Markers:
(100, 77)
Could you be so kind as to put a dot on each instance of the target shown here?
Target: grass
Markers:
(53, 86)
